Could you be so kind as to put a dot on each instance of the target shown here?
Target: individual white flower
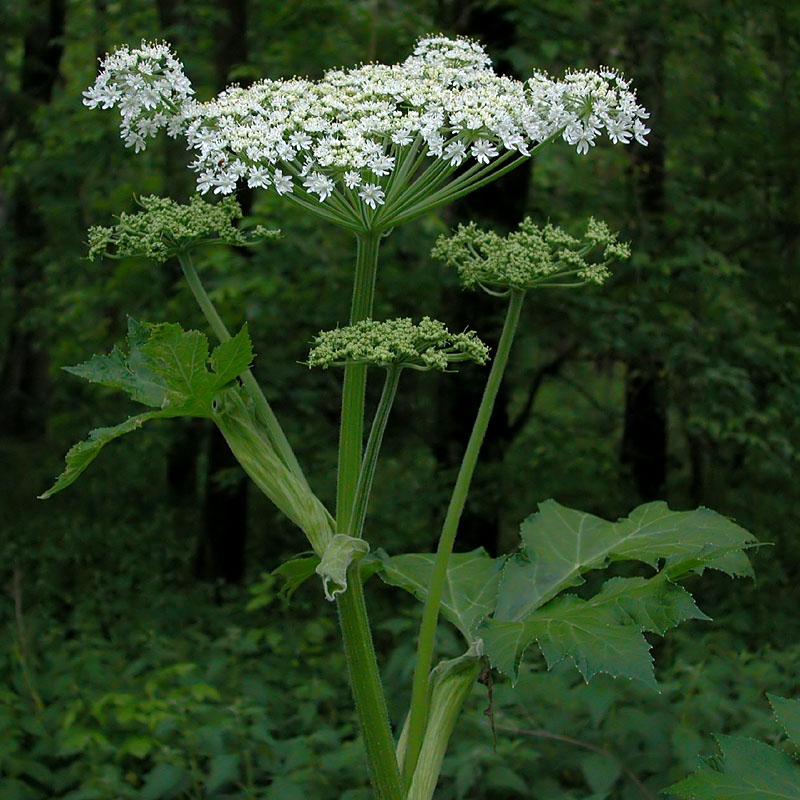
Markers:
(401, 137)
(381, 164)
(455, 153)
(640, 130)
(224, 184)
(372, 195)
(136, 141)
(205, 181)
(618, 133)
(484, 151)
(258, 177)
(319, 184)
(435, 142)
(283, 183)
(352, 179)
(301, 140)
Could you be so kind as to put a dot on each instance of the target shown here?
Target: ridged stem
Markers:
(372, 450)
(430, 614)
(351, 431)
(362, 665)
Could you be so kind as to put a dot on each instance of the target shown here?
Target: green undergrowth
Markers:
(130, 680)
(176, 697)
(156, 691)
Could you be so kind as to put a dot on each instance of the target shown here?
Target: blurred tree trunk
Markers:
(220, 552)
(500, 205)
(24, 372)
(644, 438)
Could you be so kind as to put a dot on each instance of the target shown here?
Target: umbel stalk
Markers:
(430, 614)
(362, 664)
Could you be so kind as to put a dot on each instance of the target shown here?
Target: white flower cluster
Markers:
(368, 136)
(149, 88)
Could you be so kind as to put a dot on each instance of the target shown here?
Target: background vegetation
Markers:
(130, 665)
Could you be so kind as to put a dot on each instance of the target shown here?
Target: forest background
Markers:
(143, 650)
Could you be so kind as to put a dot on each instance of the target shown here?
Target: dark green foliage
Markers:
(711, 291)
(749, 769)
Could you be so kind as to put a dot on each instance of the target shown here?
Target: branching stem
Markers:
(276, 435)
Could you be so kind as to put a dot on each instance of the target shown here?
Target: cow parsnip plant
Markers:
(368, 149)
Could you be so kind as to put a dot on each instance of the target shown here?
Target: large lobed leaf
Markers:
(163, 367)
(560, 544)
(603, 634)
(512, 603)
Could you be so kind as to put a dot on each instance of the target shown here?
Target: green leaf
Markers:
(127, 371)
(294, 573)
(569, 627)
(80, 455)
(603, 634)
(746, 770)
(165, 367)
(231, 358)
(601, 771)
(560, 544)
(653, 604)
(137, 746)
(787, 713)
(341, 552)
(165, 781)
(179, 357)
(470, 590)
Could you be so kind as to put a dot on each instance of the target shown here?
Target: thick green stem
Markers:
(364, 676)
(371, 452)
(355, 380)
(430, 614)
(276, 435)
(368, 691)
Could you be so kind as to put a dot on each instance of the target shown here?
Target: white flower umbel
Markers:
(373, 146)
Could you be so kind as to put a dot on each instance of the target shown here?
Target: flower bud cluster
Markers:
(530, 256)
(342, 141)
(396, 342)
(165, 228)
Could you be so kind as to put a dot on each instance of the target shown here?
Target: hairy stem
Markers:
(276, 435)
(430, 614)
(363, 667)
(367, 689)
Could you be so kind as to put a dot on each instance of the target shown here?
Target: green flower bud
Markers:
(530, 256)
(396, 342)
(165, 228)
